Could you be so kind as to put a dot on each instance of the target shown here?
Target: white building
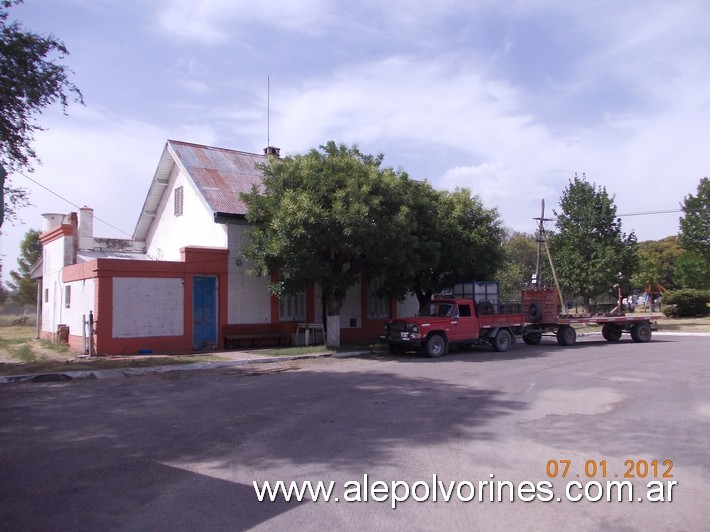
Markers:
(181, 283)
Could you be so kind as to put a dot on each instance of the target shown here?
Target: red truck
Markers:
(446, 322)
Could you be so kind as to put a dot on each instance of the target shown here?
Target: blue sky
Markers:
(509, 99)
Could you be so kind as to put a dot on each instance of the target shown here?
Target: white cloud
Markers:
(213, 22)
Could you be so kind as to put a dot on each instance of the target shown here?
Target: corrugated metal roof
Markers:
(218, 173)
(221, 175)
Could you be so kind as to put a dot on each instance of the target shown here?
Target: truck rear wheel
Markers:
(566, 335)
(502, 341)
(641, 332)
(435, 346)
(532, 338)
(611, 332)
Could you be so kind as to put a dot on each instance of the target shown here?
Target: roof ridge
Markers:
(204, 146)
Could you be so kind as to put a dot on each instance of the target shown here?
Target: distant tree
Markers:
(657, 262)
(457, 240)
(325, 218)
(31, 79)
(24, 288)
(591, 253)
(520, 252)
(3, 295)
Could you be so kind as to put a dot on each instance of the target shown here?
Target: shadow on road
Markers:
(97, 454)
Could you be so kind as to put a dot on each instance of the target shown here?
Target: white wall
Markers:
(55, 255)
(249, 297)
(195, 227)
(148, 307)
(352, 308)
(409, 307)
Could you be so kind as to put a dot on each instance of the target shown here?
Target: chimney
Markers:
(270, 151)
(52, 220)
(85, 231)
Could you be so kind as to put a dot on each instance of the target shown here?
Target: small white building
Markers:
(181, 283)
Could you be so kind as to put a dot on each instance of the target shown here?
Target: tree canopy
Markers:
(590, 252)
(695, 223)
(457, 239)
(324, 218)
(31, 78)
(693, 266)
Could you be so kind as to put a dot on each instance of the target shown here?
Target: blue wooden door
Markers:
(204, 312)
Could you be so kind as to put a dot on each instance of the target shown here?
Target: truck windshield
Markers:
(438, 308)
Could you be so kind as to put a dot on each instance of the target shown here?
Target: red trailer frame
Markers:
(541, 306)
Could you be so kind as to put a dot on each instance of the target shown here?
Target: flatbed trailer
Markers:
(543, 318)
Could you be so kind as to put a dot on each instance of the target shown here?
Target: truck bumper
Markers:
(412, 343)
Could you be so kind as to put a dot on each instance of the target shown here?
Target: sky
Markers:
(510, 99)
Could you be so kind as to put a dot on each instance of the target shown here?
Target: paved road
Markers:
(180, 451)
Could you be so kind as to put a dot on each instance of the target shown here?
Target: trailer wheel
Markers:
(532, 338)
(641, 332)
(435, 346)
(611, 332)
(535, 311)
(502, 341)
(566, 335)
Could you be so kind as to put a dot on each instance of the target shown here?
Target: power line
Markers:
(73, 204)
(646, 213)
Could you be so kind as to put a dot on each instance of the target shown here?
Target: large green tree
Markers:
(24, 288)
(695, 223)
(31, 78)
(591, 253)
(457, 240)
(693, 266)
(325, 218)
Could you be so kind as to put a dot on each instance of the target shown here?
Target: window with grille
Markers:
(178, 201)
(378, 305)
(292, 307)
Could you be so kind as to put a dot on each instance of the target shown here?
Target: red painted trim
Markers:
(56, 233)
(197, 261)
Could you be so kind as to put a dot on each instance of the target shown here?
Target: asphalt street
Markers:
(181, 450)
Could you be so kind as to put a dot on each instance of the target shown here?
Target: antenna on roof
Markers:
(269, 150)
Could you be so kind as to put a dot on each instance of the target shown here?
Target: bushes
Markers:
(687, 302)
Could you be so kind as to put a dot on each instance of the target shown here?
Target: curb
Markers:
(126, 372)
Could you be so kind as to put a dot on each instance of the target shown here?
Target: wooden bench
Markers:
(253, 339)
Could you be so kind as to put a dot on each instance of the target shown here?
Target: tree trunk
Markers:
(423, 297)
(333, 304)
(333, 336)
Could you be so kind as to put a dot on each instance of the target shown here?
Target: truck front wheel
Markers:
(502, 341)
(435, 346)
